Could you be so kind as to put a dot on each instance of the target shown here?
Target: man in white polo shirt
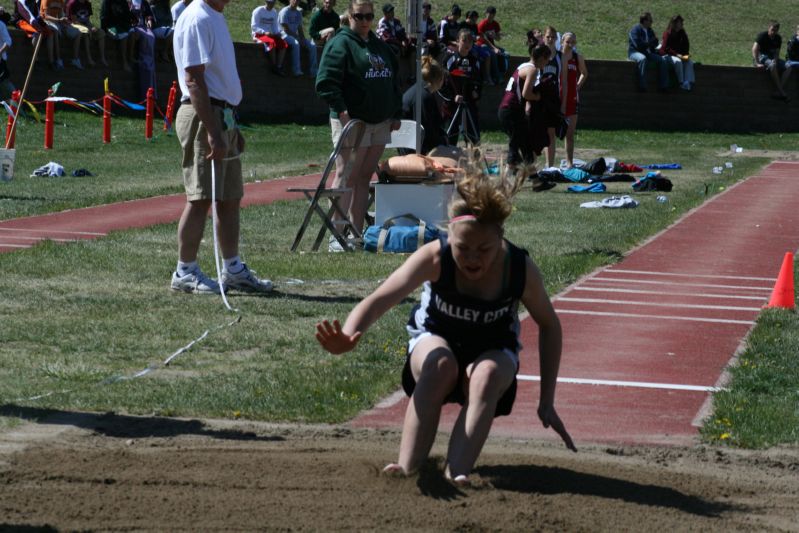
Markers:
(208, 134)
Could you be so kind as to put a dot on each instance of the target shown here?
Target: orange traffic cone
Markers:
(782, 295)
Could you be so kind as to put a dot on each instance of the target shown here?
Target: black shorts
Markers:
(464, 357)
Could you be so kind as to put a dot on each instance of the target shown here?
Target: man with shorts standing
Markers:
(208, 135)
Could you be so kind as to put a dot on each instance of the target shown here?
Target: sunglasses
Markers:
(364, 16)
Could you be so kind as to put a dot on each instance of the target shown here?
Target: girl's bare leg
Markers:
(488, 379)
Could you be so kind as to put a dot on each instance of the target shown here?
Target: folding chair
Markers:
(338, 228)
(405, 136)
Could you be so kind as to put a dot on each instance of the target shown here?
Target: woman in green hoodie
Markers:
(358, 79)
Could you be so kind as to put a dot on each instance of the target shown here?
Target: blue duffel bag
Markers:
(390, 238)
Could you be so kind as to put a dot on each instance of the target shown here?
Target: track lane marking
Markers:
(657, 304)
(749, 278)
(49, 231)
(653, 282)
(613, 383)
(662, 293)
(659, 317)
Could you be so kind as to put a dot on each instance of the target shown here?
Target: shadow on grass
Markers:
(21, 528)
(128, 427)
(553, 480)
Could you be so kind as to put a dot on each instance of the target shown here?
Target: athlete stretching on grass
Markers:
(464, 344)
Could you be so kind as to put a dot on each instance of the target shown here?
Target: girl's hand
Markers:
(333, 339)
(549, 417)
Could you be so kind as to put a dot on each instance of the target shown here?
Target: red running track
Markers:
(94, 222)
(646, 339)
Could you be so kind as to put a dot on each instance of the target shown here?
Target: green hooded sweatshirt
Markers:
(360, 77)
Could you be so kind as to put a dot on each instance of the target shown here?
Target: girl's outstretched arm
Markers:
(550, 341)
(423, 265)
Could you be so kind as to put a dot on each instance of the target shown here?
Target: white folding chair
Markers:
(405, 136)
(341, 225)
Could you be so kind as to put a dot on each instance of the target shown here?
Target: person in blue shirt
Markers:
(643, 49)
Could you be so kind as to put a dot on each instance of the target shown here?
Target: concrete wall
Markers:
(724, 99)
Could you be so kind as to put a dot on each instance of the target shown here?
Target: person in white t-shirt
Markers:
(212, 143)
(290, 20)
(177, 9)
(265, 29)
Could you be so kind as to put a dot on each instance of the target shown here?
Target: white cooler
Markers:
(426, 201)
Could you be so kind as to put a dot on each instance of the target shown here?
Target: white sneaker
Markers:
(334, 246)
(194, 282)
(353, 244)
(245, 281)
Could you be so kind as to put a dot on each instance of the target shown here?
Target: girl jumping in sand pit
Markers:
(464, 343)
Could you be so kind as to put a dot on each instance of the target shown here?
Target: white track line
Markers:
(638, 384)
(49, 231)
(7, 245)
(660, 317)
(662, 293)
(737, 287)
(657, 304)
(750, 278)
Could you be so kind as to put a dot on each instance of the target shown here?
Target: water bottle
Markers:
(662, 199)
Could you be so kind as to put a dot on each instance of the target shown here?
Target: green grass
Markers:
(74, 315)
(132, 167)
(721, 32)
(761, 406)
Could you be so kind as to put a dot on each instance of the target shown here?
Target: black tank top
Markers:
(476, 324)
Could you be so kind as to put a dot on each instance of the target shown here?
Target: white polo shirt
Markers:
(202, 38)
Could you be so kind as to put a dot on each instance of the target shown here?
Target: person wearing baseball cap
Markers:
(390, 30)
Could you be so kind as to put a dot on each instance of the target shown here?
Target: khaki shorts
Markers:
(373, 135)
(193, 139)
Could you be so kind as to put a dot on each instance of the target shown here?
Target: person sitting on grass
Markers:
(265, 29)
(54, 14)
(464, 345)
(80, 12)
(766, 56)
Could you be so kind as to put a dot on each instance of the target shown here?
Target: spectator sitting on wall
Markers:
(115, 19)
(290, 20)
(390, 30)
(324, 23)
(177, 9)
(26, 18)
(162, 27)
(54, 14)
(266, 30)
(449, 27)
(792, 51)
(642, 49)
(488, 33)
(675, 48)
(766, 56)
(80, 12)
